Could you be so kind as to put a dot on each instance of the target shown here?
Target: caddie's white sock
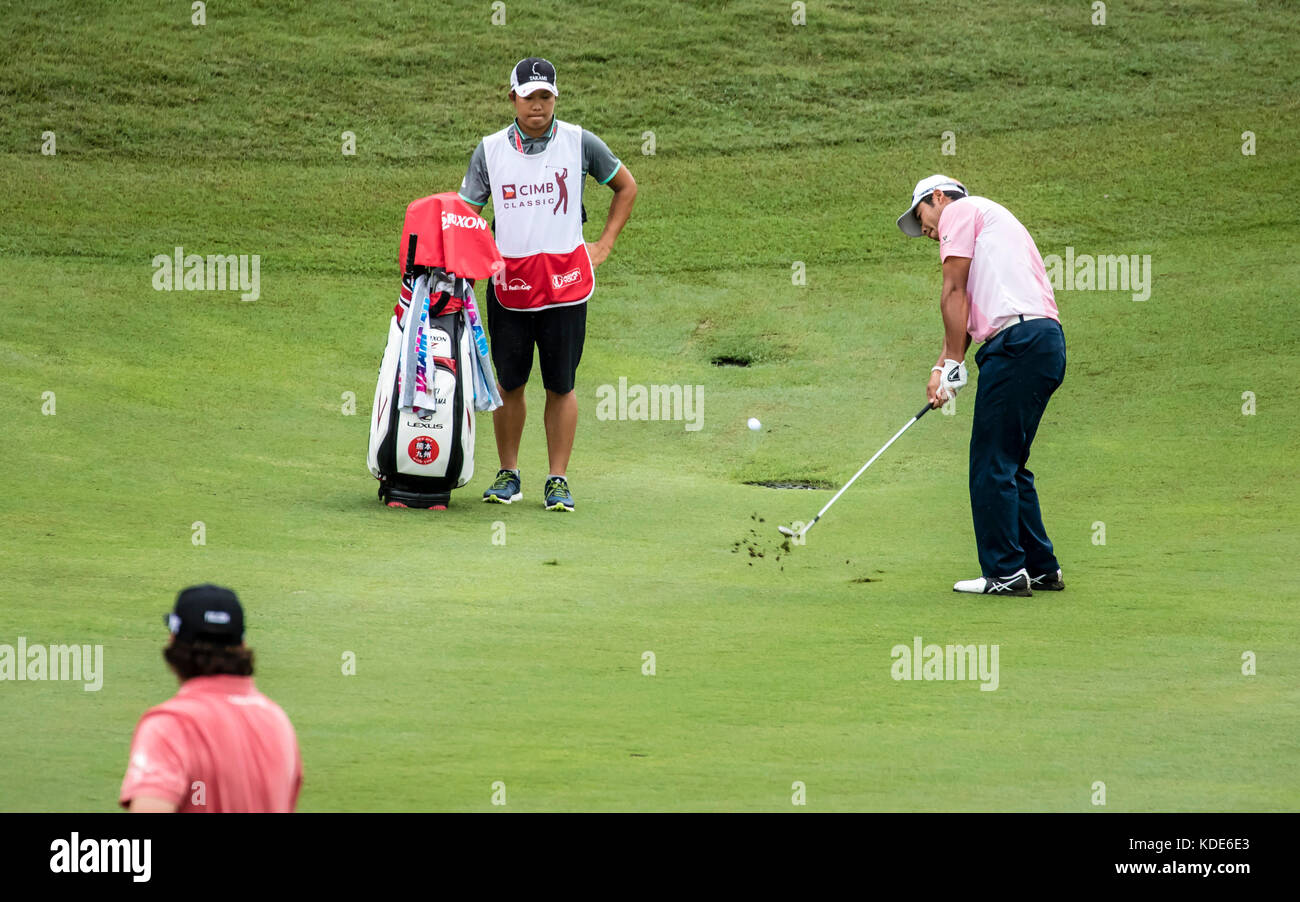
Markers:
(556, 476)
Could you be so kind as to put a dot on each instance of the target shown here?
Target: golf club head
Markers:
(786, 531)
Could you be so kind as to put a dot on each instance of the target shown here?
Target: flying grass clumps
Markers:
(757, 549)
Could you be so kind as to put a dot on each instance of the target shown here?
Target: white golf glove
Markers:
(952, 376)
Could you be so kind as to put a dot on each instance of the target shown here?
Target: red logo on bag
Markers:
(423, 450)
(508, 192)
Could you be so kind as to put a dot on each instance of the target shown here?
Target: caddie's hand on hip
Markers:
(598, 252)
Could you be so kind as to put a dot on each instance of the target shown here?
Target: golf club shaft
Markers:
(864, 469)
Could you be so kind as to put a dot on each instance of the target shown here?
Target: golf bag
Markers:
(420, 454)
(434, 375)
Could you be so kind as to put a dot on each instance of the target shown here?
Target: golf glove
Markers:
(952, 376)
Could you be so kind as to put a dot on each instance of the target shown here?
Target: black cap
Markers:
(532, 74)
(207, 613)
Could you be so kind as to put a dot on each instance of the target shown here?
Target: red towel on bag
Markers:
(451, 236)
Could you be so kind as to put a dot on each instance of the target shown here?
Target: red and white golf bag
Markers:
(435, 371)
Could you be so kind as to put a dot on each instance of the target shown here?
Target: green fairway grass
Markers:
(509, 643)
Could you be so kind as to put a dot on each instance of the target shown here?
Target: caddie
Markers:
(534, 171)
(996, 292)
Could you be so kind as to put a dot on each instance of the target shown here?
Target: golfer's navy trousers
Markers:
(1019, 368)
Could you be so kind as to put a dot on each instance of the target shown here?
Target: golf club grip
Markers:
(410, 253)
(924, 410)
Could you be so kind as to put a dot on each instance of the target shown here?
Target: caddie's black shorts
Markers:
(558, 333)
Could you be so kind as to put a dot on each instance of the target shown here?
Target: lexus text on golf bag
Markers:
(436, 371)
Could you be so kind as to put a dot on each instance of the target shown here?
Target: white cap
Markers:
(924, 188)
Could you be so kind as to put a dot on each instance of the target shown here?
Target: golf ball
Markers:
(755, 424)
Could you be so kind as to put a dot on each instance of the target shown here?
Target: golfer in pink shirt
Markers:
(996, 292)
(218, 745)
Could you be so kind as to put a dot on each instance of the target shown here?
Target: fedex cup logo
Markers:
(464, 222)
(558, 281)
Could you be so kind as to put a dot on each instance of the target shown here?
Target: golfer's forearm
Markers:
(956, 309)
(947, 351)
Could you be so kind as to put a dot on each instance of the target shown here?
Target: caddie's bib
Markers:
(538, 207)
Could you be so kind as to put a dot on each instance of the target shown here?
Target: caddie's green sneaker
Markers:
(504, 489)
(558, 496)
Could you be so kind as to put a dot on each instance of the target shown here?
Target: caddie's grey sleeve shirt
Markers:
(597, 160)
(475, 188)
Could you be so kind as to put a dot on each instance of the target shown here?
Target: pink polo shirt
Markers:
(1007, 276)
(220, 732)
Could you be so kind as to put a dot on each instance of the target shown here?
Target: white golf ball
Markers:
(754, 424)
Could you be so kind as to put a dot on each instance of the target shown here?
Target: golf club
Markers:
(787, 531)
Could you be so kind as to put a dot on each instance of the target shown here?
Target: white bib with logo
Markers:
(537, 199)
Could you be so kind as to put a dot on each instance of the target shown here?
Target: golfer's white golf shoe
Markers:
(1015, 584)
